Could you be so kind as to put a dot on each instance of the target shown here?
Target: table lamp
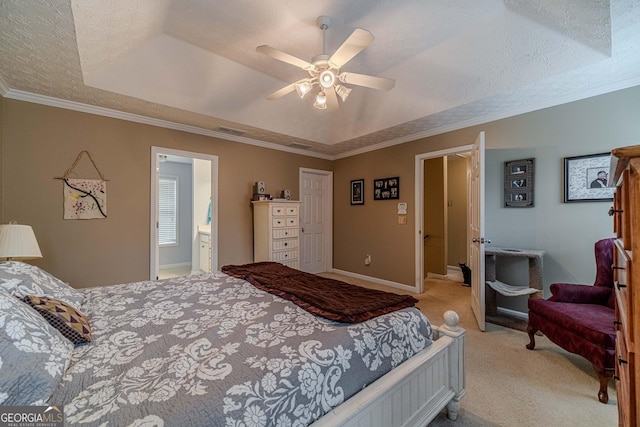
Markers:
(18, 241)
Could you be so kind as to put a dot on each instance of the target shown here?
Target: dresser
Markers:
(625, 169)
(276, 232)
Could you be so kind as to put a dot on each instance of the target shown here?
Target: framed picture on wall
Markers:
(357, 192)
(586, 178)
(518, 183)
(386, 188)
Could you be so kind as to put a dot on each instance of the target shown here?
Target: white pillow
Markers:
(21, 279)
(33, 354)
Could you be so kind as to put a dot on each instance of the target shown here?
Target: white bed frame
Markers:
(415, 392)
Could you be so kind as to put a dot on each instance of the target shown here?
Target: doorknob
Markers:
(303, 229)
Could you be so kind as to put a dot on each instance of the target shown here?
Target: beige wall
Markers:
(40, 143)
(373, 228)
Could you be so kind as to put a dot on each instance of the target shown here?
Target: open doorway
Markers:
(474, 228)
(445, 209)
(184, 220)
(441, 213)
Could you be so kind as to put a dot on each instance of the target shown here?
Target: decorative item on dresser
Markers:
(275, 231)
(625, 170)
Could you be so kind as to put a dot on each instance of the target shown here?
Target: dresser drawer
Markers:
(292, 222)
(278, 222)
(285, 233)
(292, 211)
(278, 245)
(622, 287)
(278, 210)
(625, 366)
(285, 256)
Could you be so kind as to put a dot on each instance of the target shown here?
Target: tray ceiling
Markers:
(193, 62)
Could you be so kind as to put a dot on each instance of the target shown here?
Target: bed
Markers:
(219, 349)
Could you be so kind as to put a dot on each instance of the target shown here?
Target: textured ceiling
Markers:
(193, 62)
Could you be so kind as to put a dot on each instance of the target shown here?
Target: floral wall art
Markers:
(85, 198)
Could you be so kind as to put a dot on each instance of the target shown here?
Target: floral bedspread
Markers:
(213, 350)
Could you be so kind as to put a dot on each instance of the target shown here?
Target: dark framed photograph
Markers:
(357, 192)
(386, 188)
(518, 183)
(586, 178)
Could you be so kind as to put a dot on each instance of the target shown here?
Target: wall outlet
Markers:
(367, 260)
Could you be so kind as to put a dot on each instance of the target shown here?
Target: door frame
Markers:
(154, 256)
(328, 212)
(419, 208)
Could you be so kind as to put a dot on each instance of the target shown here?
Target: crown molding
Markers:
(20, 95)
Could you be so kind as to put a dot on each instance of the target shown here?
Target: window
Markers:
(168, 211)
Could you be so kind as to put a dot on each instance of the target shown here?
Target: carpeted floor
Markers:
(508, 385)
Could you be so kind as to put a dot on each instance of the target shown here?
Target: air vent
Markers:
(300, 145)
(230, 131)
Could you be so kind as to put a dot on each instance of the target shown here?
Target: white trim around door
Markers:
(419, 209)
(153, 231)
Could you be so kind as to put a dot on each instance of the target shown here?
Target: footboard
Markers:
(415, 392)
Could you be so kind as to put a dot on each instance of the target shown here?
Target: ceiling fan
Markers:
(325, 70)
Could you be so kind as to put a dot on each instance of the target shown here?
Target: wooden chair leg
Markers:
(604, 377)
(532, 333)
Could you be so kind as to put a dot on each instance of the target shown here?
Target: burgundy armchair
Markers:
(579, 318)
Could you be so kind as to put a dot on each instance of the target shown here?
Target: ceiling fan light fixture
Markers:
(321, 101)
(343, 92)
(303, 88)
(327, 78)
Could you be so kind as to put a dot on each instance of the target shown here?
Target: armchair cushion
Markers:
(591, 323)
(580, 294)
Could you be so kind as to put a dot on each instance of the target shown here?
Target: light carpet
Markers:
(508, 385)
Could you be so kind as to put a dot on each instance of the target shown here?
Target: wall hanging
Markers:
(518, 183)
(386, 188)
(357, 192)
(84, 198)
(586, 178)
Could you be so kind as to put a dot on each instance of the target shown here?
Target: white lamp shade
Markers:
(18, 241)
(321, 101)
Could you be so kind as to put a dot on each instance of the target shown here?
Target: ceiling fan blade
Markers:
(332, 100)
(284, 57)
(352, 46)
(284, 91)
(372, 82)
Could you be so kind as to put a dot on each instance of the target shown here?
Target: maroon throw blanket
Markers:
(329, 298)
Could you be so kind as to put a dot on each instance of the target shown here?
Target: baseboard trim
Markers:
(178, 265)
(513, 313)
(375, 280)
(436, 276)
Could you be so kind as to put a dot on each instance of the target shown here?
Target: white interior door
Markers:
(315, 220)
(476, 230)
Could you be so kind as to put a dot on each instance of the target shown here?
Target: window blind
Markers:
(168, 210)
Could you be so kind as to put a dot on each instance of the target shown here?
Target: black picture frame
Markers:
(519, 183)
(583, 178)
(386, 188)
(357, 192)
